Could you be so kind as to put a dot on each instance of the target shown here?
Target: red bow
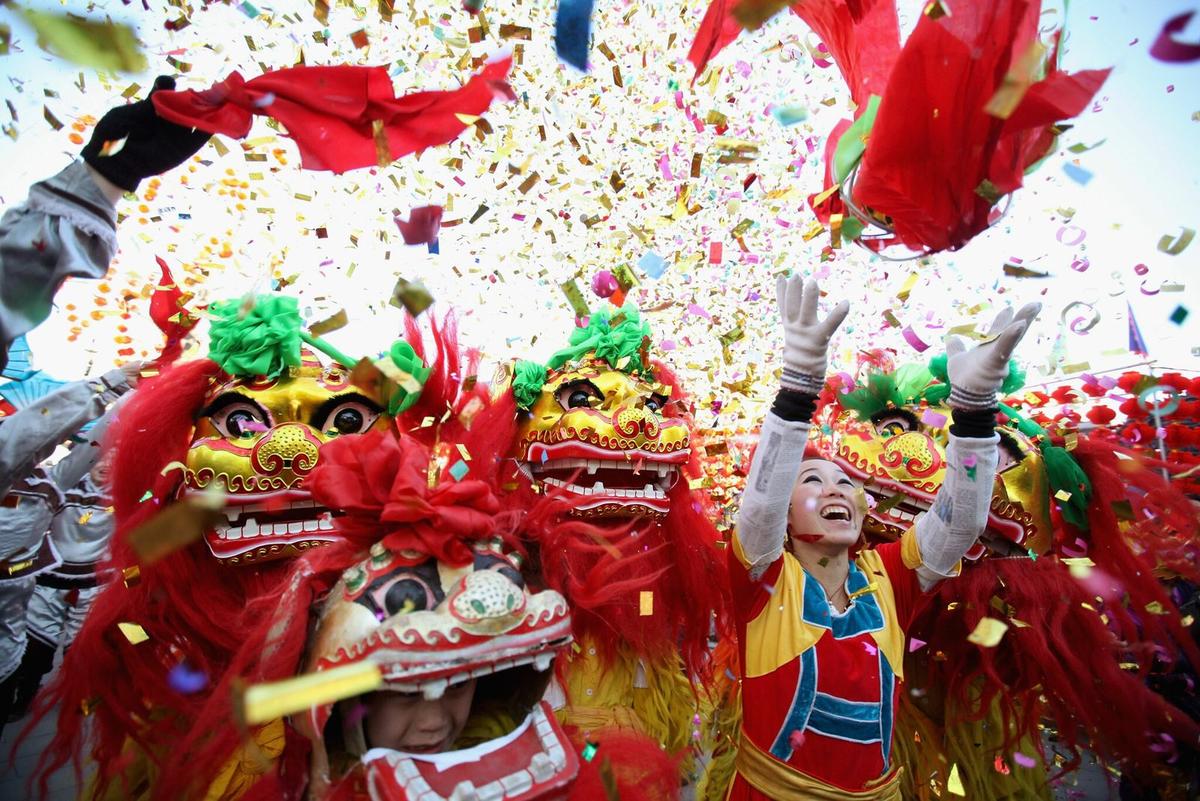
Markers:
(379, 481)
(342, 117)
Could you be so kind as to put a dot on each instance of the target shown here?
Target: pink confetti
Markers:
(911, 338)
(933, 419)
(664, 164)
(915, 644)
(1024, 761)
(796, 739)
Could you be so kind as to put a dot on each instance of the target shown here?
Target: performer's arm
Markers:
(66, 228)
(71, 469)
(960, 510)
(68, 225)
(762, 516)
(30, 435)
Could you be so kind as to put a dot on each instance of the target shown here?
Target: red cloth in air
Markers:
(330, 111)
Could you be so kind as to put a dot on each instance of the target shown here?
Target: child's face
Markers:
(410, 722)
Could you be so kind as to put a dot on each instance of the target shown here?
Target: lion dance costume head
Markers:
(605, 433)
(1062, 565)
(243, 427)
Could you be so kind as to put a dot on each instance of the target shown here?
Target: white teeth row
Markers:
(233, 511)
(592, 465)
(826, 513)
(649, 491)
(542, 767)
(253, 529)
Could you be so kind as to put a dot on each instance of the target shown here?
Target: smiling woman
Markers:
(822, 628)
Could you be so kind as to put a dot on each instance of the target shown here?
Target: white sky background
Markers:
(504, 276)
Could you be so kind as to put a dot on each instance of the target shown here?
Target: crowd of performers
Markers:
(519, 585)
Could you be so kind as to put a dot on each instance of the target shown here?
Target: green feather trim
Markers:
(261, 337)
(1065, 475)
(528, 380)
(615, 339)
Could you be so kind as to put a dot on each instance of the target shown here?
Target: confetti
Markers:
(133, 632)
(1167, 47)
(646, 603)
(652, 265)
(177, 526)
(186, 681)
(422, 225)
(103, 45)
(412, 296)
(1173, 246)
(262, 703)
(954, 784)
(572, 31)
(988, 632)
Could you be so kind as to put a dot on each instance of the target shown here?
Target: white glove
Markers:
(805, 338)
(976, 374)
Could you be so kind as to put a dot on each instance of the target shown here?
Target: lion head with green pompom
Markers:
(891, 432)
(598, 420)
(268, 412)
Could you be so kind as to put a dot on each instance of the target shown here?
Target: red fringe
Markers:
(1066, 663)
(642, 771)
(602, 569)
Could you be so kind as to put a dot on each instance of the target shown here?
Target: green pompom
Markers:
(528, 380)
(937, 367)
(617, 340)
(258, 338)
(1015, 378)
(409, 363)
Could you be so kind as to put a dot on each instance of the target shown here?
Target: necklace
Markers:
(841, 592)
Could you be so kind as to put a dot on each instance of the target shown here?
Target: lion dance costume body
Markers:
(605, 434)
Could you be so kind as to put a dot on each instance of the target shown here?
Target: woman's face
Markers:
(827, 507)
(410, 722)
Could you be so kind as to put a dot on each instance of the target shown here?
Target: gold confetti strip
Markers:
(262, 703)
(646, 603)
(133, 632)
(988, 632)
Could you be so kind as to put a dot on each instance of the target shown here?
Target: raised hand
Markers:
(976, 374)
(805, 337)
(151, 144)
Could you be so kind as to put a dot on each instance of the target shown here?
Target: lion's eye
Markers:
(657, 403)
(578, 394)
(346, 414)
(235, 416)
(893, 425)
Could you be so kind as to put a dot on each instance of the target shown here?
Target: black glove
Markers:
(152, 145)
